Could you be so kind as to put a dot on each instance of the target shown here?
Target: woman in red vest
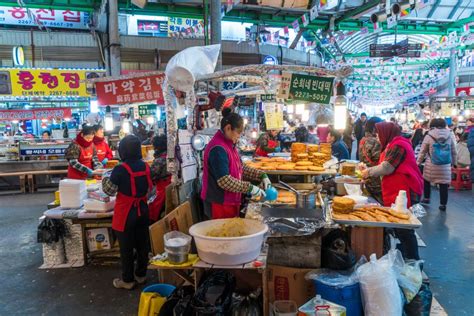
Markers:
(161, 178)
(223, 174)
(104, 154)
(399, 171)
(267, 143)
(131, 180)
(81, 155)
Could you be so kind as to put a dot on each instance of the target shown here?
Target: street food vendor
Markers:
(46, 136)
(82, 155)
(338, 147)
(131, 180)
(104, 154)
(223, 174)
(399, 171)
(160, 177)
(267, 143)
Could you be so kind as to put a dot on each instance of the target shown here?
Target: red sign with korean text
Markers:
(35, 114)
(464, 91)
(134, 90)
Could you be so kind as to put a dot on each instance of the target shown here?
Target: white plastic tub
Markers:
(228, 251)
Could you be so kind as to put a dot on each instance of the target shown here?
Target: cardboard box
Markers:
(98, 239)
(180, 219)
(286, 283)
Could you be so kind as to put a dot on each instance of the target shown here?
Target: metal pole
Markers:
(216, 37)
(453, 72)
(114, 39)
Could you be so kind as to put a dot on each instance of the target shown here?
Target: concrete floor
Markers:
(26, 290)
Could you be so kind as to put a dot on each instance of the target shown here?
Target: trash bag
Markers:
(410, 279)
(247, 305)
(51, 230)
(178, 302)
(214, 295)
(421, 304)
(336, 253)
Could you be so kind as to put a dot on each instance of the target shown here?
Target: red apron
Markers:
(124, 203)
(224, 211)
(85, 158)
(156, 206)
(262, 153)
(103, 151)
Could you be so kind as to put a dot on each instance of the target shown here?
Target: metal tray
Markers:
(414, 223)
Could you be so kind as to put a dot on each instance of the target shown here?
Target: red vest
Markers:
(260, 152)
(407, 175)
(124, 203)
(85, 158)
(103, 151)
(157, 204)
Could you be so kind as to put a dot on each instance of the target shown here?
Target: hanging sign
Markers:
(134, 90)
(270, 60)
(45, 17)
(25, 82)
(306, 88)
(147, 109)
(469, 104)
(464, 91)
(273, 116)
(35, 114)
(176, 24)
(267, 97)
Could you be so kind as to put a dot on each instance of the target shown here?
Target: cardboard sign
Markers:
(134, 90)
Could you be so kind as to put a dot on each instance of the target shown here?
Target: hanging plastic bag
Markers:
(336, 253)
(421, 304)
(410, 279)
(379, 287)
(418, 210)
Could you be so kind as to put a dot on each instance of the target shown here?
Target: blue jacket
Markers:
(470, 146)
(339, 150)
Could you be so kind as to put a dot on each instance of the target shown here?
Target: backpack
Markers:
(441, 151)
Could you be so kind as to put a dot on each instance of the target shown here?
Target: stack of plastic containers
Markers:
(72, 193)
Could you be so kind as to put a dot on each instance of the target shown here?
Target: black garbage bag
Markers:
(51, 230)
(214, 294)
(421, 304)
(336, 252)
(178, 303)
(247, 305)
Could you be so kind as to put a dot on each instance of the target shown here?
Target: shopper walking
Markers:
(369, 154)
(438, 152)
(82, 155)
(398, 169)
(359, 130)
(104, 153)
(223, 179)
(131, 180)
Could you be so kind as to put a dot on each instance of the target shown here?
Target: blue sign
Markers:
(43, 151)
(270, 60)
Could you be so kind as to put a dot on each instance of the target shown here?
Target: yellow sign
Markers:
(24, 82)
(273, 116)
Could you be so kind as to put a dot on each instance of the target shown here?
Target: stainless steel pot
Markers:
(304, 198)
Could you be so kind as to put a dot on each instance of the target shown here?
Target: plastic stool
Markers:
(461, 179)
(164, 290)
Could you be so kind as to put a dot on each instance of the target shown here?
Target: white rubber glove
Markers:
(256, 192)
(266, 182)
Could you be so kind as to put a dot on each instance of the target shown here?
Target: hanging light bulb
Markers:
(340, 107)
(246, 121)
(150, 120)
(254, 134)
(108, 120)
(290, 109)
(126, 125)
(158, 114)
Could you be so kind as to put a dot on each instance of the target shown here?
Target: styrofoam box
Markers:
(91, 205)
(98, 239)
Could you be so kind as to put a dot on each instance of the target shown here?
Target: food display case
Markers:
(9, 152)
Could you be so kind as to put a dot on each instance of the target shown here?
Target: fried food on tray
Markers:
(287, 166)
(304, 163)
(372, 214)
(343, 204)
(316, 168)
(298, 147)
(301, 168)
(263, 159)
(313, 148)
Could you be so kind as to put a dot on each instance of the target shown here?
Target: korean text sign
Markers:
(306, 88)
(45, 82)
(35, 114)
(134, 90)
(49, 18)
(177, 24)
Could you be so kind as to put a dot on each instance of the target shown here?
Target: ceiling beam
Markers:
(455, 9)
(428, 29)
(433, 8)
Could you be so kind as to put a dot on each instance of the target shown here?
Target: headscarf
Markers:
(387, 131)
(130, 148)
(82, 141)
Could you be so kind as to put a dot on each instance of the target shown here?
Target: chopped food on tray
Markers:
(234, 227)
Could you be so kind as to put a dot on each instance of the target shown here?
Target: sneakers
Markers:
(120, 284)
(425, 201)
(442, 208)
(140, 280)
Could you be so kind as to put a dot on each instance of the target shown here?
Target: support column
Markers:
(216, 36)
(453, 72)
(114, 40)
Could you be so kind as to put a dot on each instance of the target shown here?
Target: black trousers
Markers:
(443, 192)
(134, 237)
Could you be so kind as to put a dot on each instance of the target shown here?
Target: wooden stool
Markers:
(461, 179)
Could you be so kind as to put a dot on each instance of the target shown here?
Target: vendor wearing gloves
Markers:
(267, 143)
(223, 173)
(82, 155)
(399, 171)
(104, 154)
(132, 180)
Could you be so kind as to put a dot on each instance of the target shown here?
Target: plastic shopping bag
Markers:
(410, 279)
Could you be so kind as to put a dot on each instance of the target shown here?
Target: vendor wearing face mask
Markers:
(223, 175)
(82, 155)
(104, 154)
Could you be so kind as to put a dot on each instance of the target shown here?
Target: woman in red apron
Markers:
(131, 180)
(161, 178)
(81, 155)
(104, 154)
(267, 144)
(399, 171)
(223, 173)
